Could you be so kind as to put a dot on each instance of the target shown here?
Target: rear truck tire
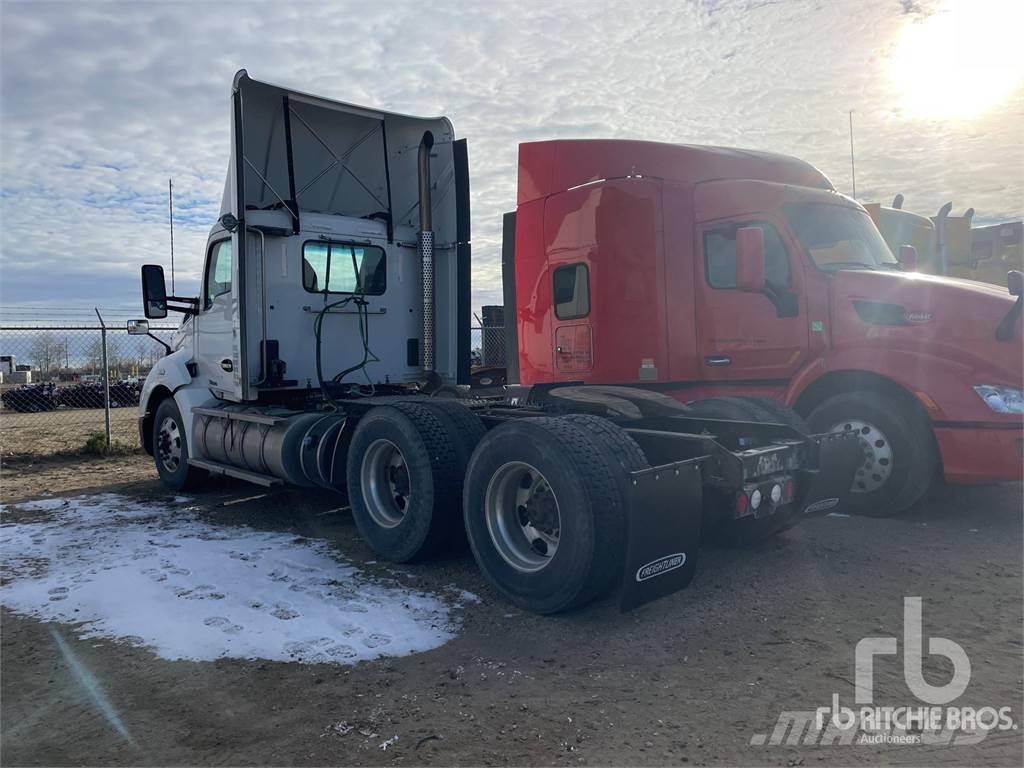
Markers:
(900, 459)
(170, 449)
(464, 427)
(544, 513)
(404, 481)
(615, 444)
(465, 430)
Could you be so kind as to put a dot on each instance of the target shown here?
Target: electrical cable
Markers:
(358, 298)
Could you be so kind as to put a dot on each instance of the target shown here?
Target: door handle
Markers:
(717, 361)
(227, 365)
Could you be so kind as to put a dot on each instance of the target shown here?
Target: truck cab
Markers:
(312, 274)
(704, 272)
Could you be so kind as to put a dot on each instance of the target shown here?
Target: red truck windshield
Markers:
(837, 237)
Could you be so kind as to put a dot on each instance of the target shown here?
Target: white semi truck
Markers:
(329, 347)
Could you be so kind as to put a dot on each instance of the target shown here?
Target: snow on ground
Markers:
(155, 575)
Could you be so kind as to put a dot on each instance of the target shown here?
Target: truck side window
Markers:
(572, 291)
(218, 271)
(341, 268)
(720, 255)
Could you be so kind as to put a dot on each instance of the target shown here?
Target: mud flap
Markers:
(664, 518)
(827, 487)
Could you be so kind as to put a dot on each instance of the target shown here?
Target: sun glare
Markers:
(962, 60)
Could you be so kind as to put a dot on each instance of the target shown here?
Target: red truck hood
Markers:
(926, 314)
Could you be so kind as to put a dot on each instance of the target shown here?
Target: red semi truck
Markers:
(703, 272)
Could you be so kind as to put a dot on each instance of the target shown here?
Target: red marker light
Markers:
(741, 503)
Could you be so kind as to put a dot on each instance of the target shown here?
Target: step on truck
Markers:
(706, 273)
(329, 348)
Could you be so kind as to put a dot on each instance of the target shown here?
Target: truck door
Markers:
(216, 347)
(745, 336)
(571, 327)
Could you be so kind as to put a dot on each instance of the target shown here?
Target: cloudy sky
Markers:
(100, 103)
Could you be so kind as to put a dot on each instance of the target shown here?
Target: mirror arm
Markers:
(1004, 332)
(191, 305)
(161, 342)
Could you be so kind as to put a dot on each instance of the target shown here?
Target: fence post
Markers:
(106, 378)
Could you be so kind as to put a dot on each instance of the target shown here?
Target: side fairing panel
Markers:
(614, 229)
(533, 296)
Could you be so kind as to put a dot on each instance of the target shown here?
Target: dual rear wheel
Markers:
(541, 500)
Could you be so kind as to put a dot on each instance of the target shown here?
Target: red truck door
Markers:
(746, 336)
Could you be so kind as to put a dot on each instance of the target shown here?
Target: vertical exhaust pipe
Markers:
(426, 245)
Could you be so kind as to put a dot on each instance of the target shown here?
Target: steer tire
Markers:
(779, 412)
(580, 473)
(177, 475)
(400, 528)
(749, 408)
(914, 462)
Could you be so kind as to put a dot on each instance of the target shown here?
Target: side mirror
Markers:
(1015, 282)
(154, 291)
(908, 257)
(750, 269)
(137, 327)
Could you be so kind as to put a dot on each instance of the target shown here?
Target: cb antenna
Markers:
(170, 212)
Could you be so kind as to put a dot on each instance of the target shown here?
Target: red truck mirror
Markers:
(908, 257)
(750, 269)
(1015, 282)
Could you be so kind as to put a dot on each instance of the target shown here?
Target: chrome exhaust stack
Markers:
(426, 246)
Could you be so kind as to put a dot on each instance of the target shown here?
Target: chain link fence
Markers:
(57, 395)
(64, 388)
(487, 347)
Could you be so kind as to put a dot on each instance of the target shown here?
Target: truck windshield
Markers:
(839, 238)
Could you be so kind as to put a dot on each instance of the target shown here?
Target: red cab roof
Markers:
(548, 167)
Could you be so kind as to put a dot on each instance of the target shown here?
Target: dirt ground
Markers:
(23, 435)
(690, 679)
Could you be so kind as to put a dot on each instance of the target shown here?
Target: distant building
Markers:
(15, 377)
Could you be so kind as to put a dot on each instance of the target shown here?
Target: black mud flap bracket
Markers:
(828, 486)
(663, 531)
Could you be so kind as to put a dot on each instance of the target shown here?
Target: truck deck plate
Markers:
(242, 474)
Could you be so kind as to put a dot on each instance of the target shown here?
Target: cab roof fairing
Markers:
(346, 160)
(549, 167)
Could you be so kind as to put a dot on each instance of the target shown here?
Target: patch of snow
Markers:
(154, 575)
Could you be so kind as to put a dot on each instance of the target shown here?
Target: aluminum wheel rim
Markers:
(523, 518)
(876, 468)
(169, 444)
(387, 486)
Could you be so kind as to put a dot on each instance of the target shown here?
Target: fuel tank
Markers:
(297, 447)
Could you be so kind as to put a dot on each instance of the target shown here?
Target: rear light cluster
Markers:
(762, 498)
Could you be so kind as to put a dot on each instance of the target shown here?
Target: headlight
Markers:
(1001, 399)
